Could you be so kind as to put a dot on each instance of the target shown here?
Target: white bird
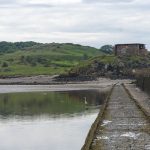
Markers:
(85, 101)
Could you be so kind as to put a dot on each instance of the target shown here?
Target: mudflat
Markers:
(25, 84)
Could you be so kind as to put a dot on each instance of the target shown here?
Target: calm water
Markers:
(47, 120)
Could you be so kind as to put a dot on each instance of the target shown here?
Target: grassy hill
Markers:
(109, 66)
(30, 58)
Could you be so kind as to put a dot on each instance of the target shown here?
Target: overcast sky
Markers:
(87, 22)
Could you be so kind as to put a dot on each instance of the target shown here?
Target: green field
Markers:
(36, 58)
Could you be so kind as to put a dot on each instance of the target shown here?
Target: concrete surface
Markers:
(142, 98)
(124, 125)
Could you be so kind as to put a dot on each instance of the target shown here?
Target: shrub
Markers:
(5, 64)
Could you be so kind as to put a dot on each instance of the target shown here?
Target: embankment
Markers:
(94, 126)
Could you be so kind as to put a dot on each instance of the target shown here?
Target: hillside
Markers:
(30, 58)
(108, 66)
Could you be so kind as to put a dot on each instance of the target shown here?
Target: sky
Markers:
(87, 22)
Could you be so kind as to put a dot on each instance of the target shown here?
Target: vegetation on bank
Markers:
(110, 66)
(30, 58)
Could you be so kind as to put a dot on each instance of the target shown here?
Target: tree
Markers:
(85, 56)
(8, 47)
(108, 49)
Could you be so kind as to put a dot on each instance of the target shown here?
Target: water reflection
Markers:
(50, 103)
(47, 120)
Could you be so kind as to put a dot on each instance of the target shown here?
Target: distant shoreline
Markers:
(101, 83)
(50, 80)
(29, 80)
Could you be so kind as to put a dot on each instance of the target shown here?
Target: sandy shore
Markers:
(47, 80)
(101, 83)
(41, 79)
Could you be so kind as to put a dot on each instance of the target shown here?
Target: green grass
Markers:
(106, 59)
(48, 59)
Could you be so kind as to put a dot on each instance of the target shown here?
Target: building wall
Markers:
(130, 49)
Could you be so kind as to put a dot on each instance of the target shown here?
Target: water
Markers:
(47, 120)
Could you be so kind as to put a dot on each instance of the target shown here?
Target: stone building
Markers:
(130, 49)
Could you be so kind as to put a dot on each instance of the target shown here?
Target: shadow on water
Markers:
(49, 103)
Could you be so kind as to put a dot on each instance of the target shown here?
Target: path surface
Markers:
(142, 98)
(124, 125)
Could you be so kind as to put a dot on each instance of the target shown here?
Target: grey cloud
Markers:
(124, 21)
(3, 2)
(24, 4)
(37, 5)
(108, 1)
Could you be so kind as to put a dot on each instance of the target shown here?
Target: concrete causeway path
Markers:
(124, 125)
